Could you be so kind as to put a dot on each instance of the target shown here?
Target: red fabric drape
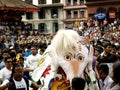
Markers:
(20, 9)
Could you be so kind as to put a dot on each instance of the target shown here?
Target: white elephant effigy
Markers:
(64, 59)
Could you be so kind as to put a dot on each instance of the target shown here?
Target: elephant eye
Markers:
(68, 57)
(80, 57)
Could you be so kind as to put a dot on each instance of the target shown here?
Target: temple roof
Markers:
(17, 5)
(94, 2)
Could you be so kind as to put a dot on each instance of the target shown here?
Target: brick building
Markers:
(109, 8)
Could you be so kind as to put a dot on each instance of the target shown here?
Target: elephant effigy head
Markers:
(64, 59)
(72, 56)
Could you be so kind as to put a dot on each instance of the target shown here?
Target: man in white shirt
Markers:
(104, 78)
(33, 59)
(18, 82)
(6, 71)
(115, 75)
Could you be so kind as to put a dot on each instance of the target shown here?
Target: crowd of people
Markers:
(21, 52)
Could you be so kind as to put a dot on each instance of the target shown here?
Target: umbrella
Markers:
(17, 5)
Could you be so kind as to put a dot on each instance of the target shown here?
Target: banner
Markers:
(112, 15)
(100, 15)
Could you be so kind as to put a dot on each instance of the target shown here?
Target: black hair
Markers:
(116, 71)
(28, 46)
(106, 44)
(19, 51)
(13, 69)
(34, 46)
(21, 58)
(99, 49)
(104, 68)
(78, 83)
(7, 58)
(6, 50)
(12, 54)
(115, 46)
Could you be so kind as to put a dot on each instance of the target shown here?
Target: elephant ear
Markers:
(90, 57)
(48, 59)
(50, 53)
(90, 72)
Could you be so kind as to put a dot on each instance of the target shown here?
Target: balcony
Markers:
(69, 17)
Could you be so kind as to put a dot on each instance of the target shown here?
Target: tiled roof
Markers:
(16, 5)
(102, 1)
